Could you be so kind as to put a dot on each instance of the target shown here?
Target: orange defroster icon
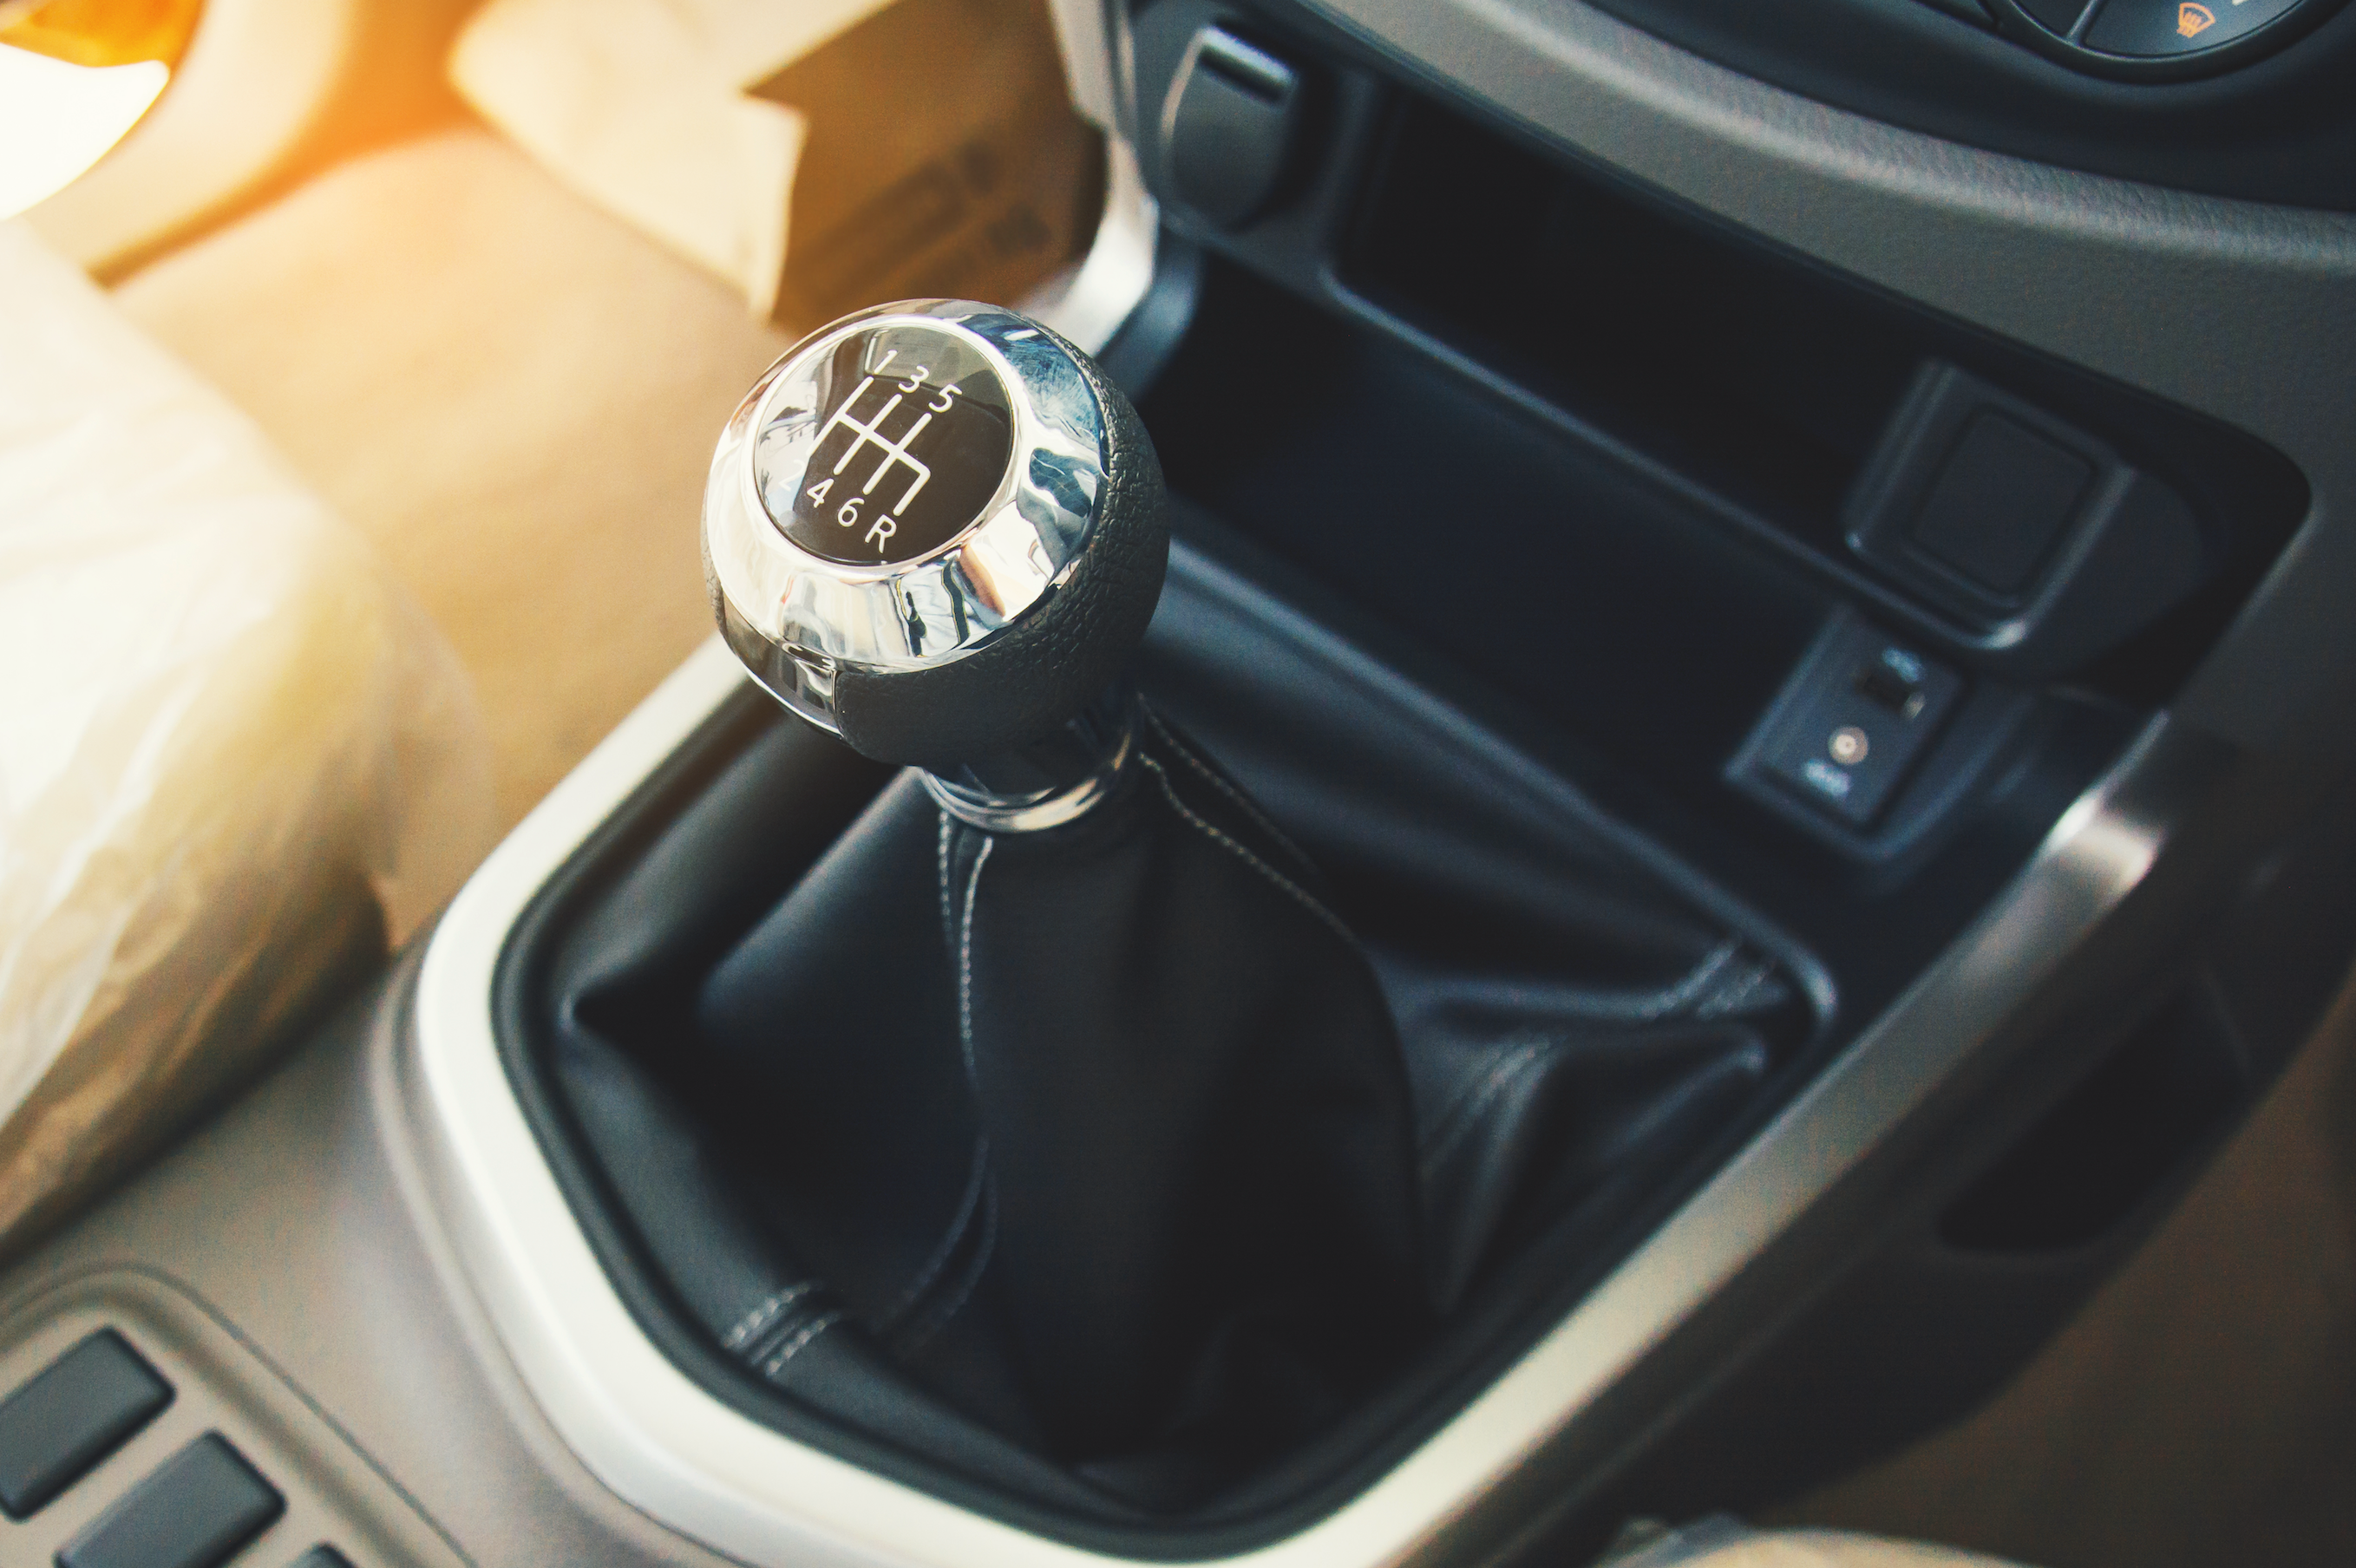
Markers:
(2193, 20)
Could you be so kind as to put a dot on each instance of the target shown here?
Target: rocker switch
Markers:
(198, 1511)
(60, 1426)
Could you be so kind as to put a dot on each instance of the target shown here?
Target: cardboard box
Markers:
(942, 159)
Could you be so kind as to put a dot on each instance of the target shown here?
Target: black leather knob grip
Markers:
(1051, 664)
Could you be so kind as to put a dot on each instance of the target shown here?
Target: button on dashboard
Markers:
(198, 1511)
(59, 1426)
(2158, 29)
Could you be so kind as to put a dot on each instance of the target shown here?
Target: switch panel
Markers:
(1850, 724)
(217, 1461)
(2159, 30)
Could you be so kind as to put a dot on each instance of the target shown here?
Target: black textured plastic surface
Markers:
(1047, 668)
(2278, 130)
(1230, 127)
(83, 1406)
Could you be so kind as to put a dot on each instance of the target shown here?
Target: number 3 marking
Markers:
(916, 381)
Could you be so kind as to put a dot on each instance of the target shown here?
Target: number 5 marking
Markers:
(947, 398)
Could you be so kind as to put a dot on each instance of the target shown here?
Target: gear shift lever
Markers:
(1188, 1230)
(936, 530)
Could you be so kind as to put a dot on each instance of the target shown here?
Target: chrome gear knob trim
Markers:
(935, 528)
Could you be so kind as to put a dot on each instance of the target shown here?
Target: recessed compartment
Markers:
(1774, 396)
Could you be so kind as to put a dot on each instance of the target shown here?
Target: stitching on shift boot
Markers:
(1463, 1113)
(1674, 997)
(766, 1313)
(1210, 775)
(965, 963)
(949, 913)
(800, 1342)
(1698, 985)
(1291, 888)
(924, 1334)
(939, 1260)
(1736, 993)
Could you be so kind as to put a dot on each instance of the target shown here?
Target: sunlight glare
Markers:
(56, 119)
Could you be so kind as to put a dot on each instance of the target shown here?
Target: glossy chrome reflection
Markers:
(795, 618)
(1055, 780)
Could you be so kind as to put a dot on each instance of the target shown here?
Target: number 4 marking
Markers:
(816, 492)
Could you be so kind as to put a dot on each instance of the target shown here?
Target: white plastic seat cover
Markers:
(235, 758)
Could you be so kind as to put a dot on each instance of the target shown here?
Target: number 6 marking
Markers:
(848, 512)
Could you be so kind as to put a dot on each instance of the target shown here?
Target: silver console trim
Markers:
(1089, 306)
(1088, 35)
(669, 1448)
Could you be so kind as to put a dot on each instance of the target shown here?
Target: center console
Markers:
(1703, 816)
(1723, 709)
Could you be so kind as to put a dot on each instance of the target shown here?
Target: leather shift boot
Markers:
(1159, 1265)
(1144, 1110)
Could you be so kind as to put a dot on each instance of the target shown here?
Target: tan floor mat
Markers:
(514, 395)
(2200, 1412)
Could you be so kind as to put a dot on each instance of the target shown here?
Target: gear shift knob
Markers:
(935, 528)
